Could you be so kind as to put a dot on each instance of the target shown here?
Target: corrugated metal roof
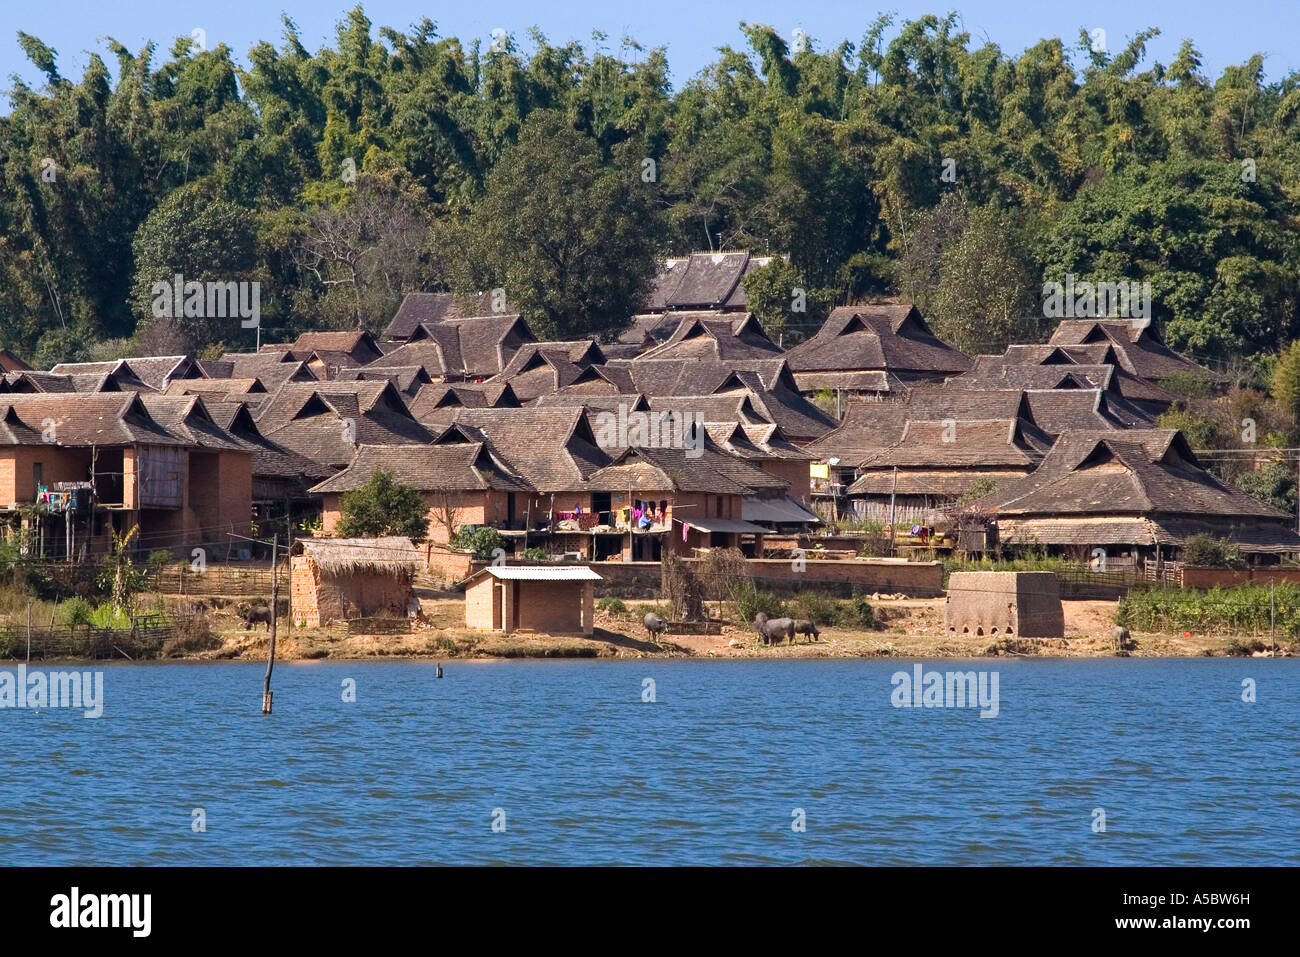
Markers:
(725, 525)
(784, 510)
(554, 573)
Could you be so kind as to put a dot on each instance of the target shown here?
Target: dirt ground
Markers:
(911, 628)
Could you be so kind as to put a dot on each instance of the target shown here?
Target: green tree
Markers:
(383, 506)
(1286, 382)
(202, 238)
(569, 240)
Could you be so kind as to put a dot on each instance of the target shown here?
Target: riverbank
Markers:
(909, 628)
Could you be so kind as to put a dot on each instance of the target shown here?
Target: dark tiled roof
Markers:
(357, 345)
(699, 376)
(1140, 350)
(1149, 472)
(421, 307)
(797, 417)
(470, 466)
(272, 368)
(553, 449)
(888, 337)
(326, 421)
(101, 419)
(718, 336)
(708, 281)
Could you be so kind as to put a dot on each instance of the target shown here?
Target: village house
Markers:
(99, 464)
(931, 465)
(462, 350)
(550, 599)
(462, 482)
(135, 374)
(703, 281)
(327, 421)
(1066, 367)
(272, 369)
(866, 349)
(419, 308)
(719, 337)
(349, 578)
(1135, 495)
(1138, 348)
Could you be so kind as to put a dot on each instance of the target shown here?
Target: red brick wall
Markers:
(57, 465)
(794, 471)
(1191, 577)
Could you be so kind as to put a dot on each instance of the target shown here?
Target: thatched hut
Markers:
(351, 578)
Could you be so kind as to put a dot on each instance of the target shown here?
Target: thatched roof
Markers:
(343, 556)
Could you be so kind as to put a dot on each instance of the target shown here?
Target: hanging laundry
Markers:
(686, 528)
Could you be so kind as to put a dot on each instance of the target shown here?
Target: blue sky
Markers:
(1225, 32)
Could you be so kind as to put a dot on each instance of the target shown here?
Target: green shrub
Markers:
(612, 605)
(534, 555)
(106, 616)
(75, 611)
(158, 558)
(1206, 550)
(814, 606)
(1242, 610)
(482, 541)
(751, 599)
(857, 613)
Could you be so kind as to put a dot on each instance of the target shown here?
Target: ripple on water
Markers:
(585, 772)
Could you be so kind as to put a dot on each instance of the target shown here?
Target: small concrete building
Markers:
(1027, 604)
(336, 578)
(552, 599)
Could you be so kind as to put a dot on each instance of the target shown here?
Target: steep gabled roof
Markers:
(1151, 472)
(699, 376)
(356, 345)
(326, 421)
(1139, 349)
(707, 281)
(715, 335)
(890, 337)
(469, 466)
(553, 449)
(272, 368)
(99, 419)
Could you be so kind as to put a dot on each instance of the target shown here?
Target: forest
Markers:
(909, 161)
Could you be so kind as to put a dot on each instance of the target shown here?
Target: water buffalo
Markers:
(802, 627)
(252, 614)
(772, 630)
(654, 626)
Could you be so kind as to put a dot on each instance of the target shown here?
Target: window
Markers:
(718, 506)
(38, 477)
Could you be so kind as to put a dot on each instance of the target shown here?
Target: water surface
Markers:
(711, 772)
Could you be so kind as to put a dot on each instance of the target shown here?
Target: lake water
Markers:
(582, 770)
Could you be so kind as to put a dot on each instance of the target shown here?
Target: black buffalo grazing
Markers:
(252, 614)
(802, 627)
(772, 630)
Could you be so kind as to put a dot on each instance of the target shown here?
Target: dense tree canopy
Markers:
(396, 161)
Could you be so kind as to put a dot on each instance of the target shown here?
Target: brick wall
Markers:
(17, 482)
(551, 607)
(917, 579)
(303, 607)
(1192, 577)
(482, 605)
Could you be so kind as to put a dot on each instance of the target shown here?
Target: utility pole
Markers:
(275, 596)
